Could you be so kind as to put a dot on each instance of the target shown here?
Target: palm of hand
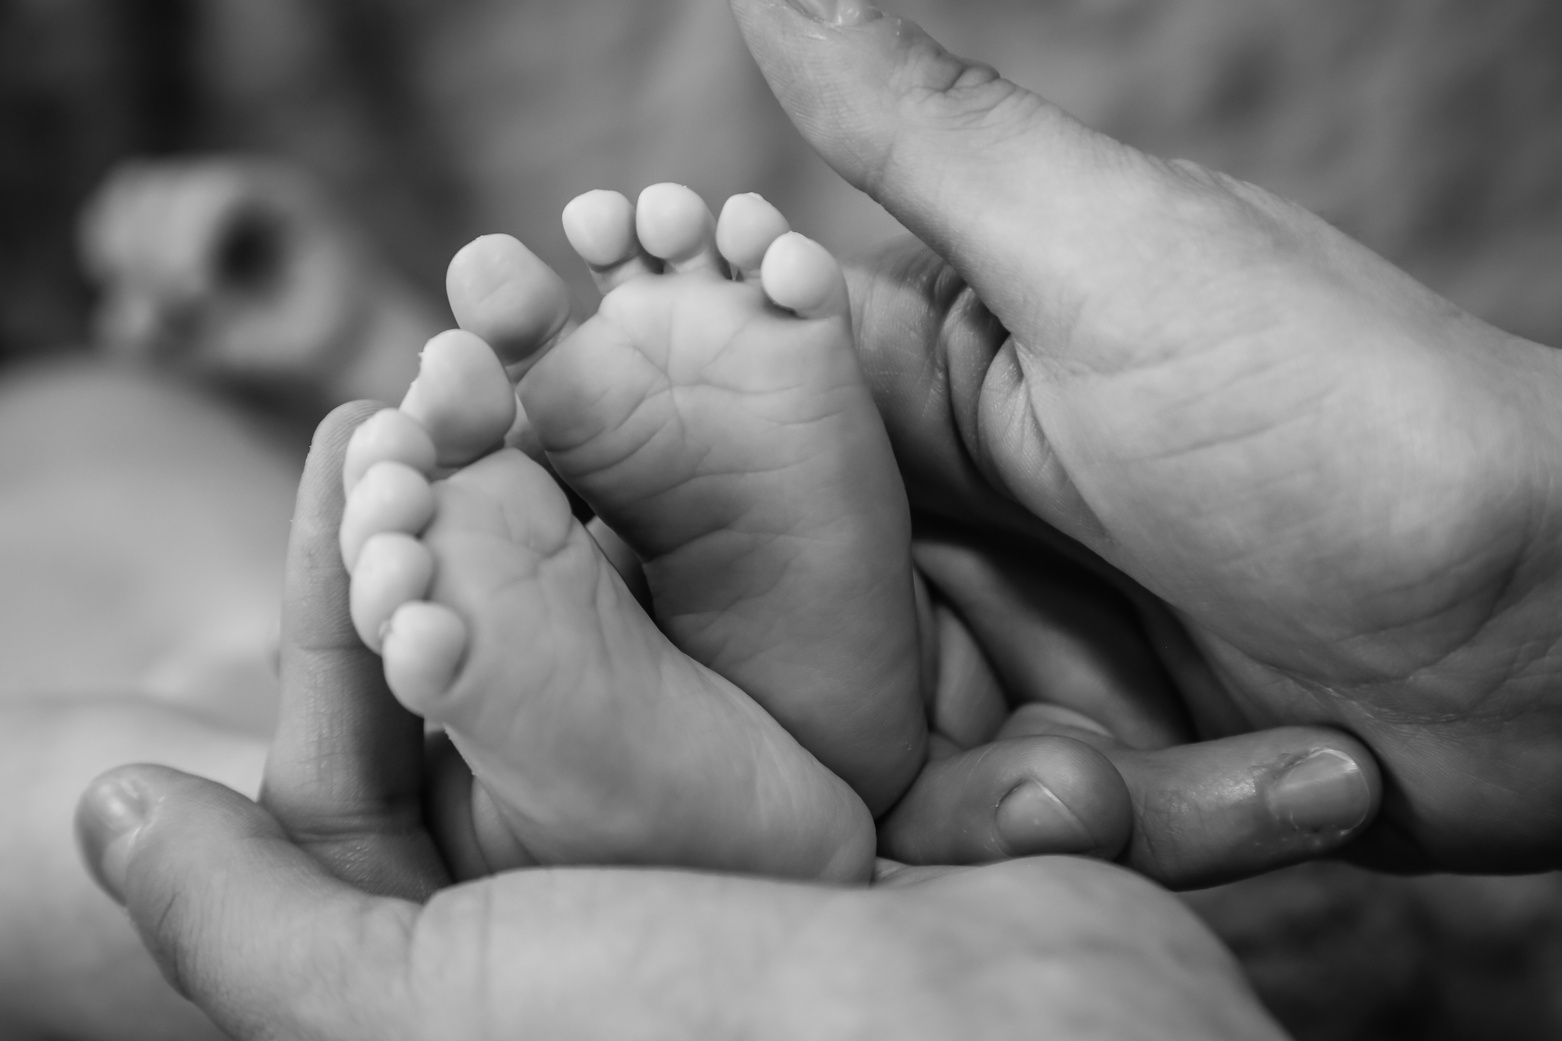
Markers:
(1311, 459)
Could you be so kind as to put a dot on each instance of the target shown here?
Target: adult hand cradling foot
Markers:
(1341, 485)
(313, 917)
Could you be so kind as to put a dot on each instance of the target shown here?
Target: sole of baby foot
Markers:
(724, 429)
(589, 735)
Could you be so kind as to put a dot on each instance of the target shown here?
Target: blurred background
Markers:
(253, 202)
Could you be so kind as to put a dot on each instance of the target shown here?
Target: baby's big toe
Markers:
(503, 293)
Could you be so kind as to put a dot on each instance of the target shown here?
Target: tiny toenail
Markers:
(844, 13)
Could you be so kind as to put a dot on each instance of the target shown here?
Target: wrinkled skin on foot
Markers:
(722, 426)
(1044, 780)
(593, 739)
(1330, 493)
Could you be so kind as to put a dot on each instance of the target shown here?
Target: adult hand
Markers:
(308, 920)
(1341, 488)
(1056, 729)
(270, 944)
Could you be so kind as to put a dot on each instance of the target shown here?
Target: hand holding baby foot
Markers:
(1341, 486)
(724, 429)
(326, 911)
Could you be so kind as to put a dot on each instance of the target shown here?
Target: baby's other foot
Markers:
(590, 737)
(714, 414)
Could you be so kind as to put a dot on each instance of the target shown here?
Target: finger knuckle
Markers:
(972, 100)
(1216, 202)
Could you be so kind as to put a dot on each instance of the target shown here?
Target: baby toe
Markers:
(390, 497)
(392, 569)
(747, 227)
(674, 224)
(600, 226)
(803, 277)
(462, 397)
(389, 435)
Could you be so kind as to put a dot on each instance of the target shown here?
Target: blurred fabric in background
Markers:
(1426, 128)
(379, 135)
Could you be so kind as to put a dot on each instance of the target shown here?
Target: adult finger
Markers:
(1186, 816)
(1139, 298)
(243, 922)
(1012, 798)
(1076, 659)
(1053, 632)
(344, 775)
(926, 343)
(1220, 810)
(992, 176)
(1079, 664)
(941, 366)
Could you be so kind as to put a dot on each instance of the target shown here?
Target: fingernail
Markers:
(844, 13)
(1032, 820)
(1325, 791)
(107, 822)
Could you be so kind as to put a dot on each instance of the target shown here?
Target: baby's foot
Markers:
(714, 414)
(591, 738)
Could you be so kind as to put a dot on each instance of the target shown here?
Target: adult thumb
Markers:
(1005, 186)
(245, 924)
